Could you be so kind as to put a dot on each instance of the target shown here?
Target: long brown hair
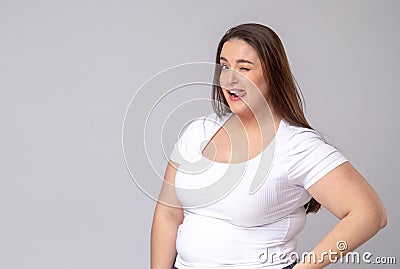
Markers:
(286, 97)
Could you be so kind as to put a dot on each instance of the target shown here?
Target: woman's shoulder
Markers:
(298, 134)
(200, 128)
(207, 123)
(193, 134)
(215, 118)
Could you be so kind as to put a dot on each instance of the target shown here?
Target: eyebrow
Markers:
(237, 61)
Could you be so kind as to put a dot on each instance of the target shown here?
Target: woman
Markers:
(258, 228)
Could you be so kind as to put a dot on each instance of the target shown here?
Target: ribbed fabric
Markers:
(238, 228)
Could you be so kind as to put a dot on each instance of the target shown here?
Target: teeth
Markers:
(234, 91)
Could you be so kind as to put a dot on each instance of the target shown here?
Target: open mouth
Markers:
(237, 93)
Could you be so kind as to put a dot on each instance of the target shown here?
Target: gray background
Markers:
(69, 68)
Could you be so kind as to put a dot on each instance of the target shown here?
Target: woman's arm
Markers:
(165, 223)
(346, 194)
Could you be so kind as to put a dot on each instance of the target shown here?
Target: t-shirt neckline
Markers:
(220, 125)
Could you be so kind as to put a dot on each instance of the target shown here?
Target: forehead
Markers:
(238, 49)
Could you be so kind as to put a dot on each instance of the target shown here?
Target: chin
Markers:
(240, 109)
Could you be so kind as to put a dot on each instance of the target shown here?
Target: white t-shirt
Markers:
(245, 222)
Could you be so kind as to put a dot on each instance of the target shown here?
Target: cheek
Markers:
(223, 80)
(225, 94)
(259, 82)
(262, 86)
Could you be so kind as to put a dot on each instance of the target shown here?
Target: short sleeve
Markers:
(185, 147)
(310, 158)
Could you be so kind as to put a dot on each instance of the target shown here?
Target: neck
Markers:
(266, 120)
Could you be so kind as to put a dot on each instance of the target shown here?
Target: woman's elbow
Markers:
(383, 218)
(381, 214)
(377, 215)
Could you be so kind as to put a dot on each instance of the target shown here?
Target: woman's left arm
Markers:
(346, 194)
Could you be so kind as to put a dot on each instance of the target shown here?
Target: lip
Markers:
(239, 94)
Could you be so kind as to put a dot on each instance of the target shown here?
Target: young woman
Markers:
(258, 110)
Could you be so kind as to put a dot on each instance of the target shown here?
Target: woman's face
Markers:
(242, 80)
